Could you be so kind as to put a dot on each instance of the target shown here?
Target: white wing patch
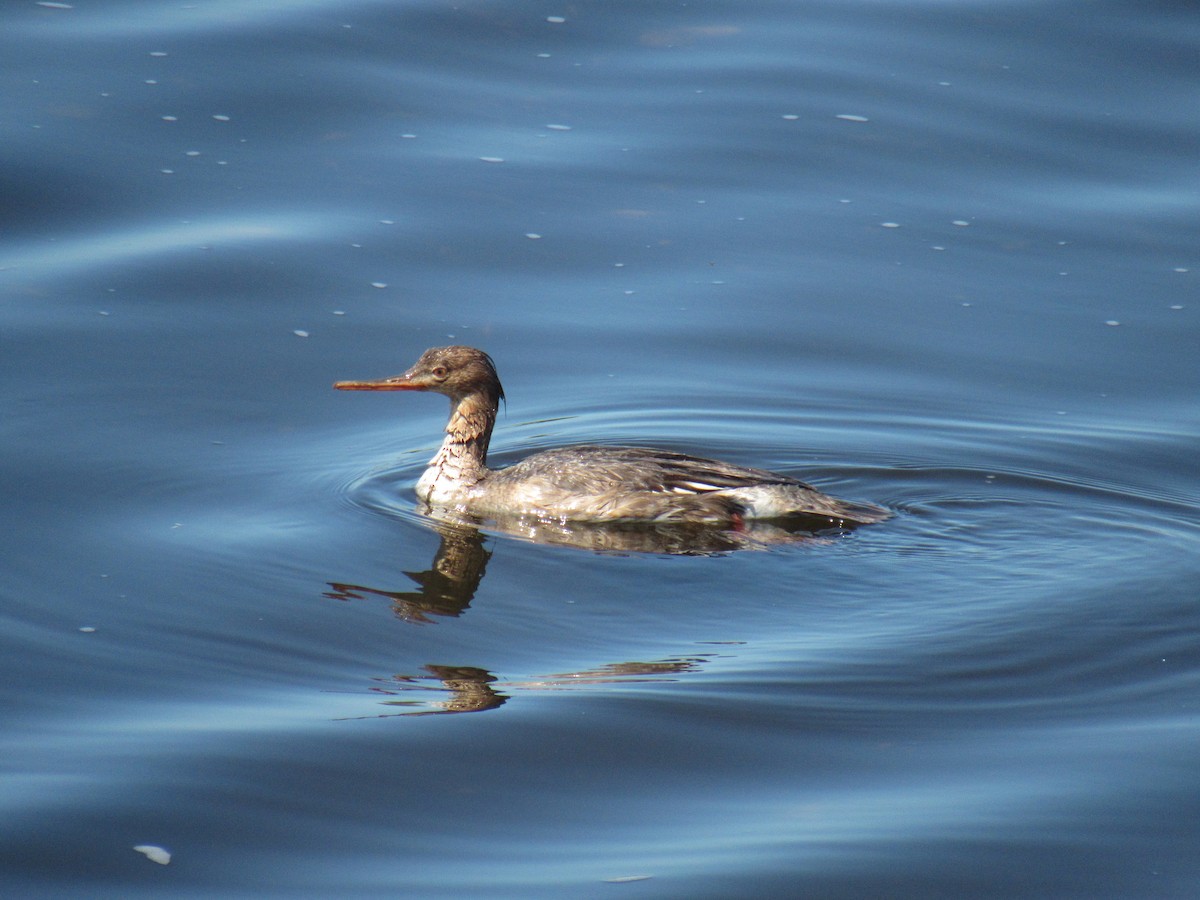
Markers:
(694, 487)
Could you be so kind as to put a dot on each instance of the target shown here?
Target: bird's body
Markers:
(593, 484)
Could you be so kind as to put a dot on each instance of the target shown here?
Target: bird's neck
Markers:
(462, 457)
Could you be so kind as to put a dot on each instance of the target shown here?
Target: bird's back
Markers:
(597, 483)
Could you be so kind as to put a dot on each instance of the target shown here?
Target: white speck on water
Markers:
(556, 20)
(221, 162)
(339, 312)
(104, 312)
(618, 265)
(961, 223)
(408, 136)
(629, 293)
(387, 221)
(543, 56)
(170, 118)
(937, 247)
(627, 879)
(167, 171)
(88, 629)
(791, 117)
(559, 127)
(1177, 306)
(158, 53)
(154, 853)
(1180, 269)
(192, 153)
(848, 117)
(944, 83)
(379, 284)
(492, 159)
(150, 81)
(221, 118)
(1112, 322)
(533, 236)
(889, 224)
(49, 5)
(299, 332)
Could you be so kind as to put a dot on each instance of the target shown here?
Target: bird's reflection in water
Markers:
(470, 690)
(446, 588)
(665, 538)
(476, 690)
(449, 585)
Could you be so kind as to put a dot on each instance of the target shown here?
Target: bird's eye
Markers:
(439, 372)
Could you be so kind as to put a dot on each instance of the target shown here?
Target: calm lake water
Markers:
(939, 257)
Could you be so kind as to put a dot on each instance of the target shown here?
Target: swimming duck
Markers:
(589, 484)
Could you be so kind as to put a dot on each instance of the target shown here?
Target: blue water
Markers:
(939, 257)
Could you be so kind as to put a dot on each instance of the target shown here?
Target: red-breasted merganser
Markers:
(587, 483)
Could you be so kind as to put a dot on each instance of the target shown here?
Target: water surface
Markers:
(936, 257)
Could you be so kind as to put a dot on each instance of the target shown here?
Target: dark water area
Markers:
(938, 257)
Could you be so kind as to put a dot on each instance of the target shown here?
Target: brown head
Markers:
(456, 372)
